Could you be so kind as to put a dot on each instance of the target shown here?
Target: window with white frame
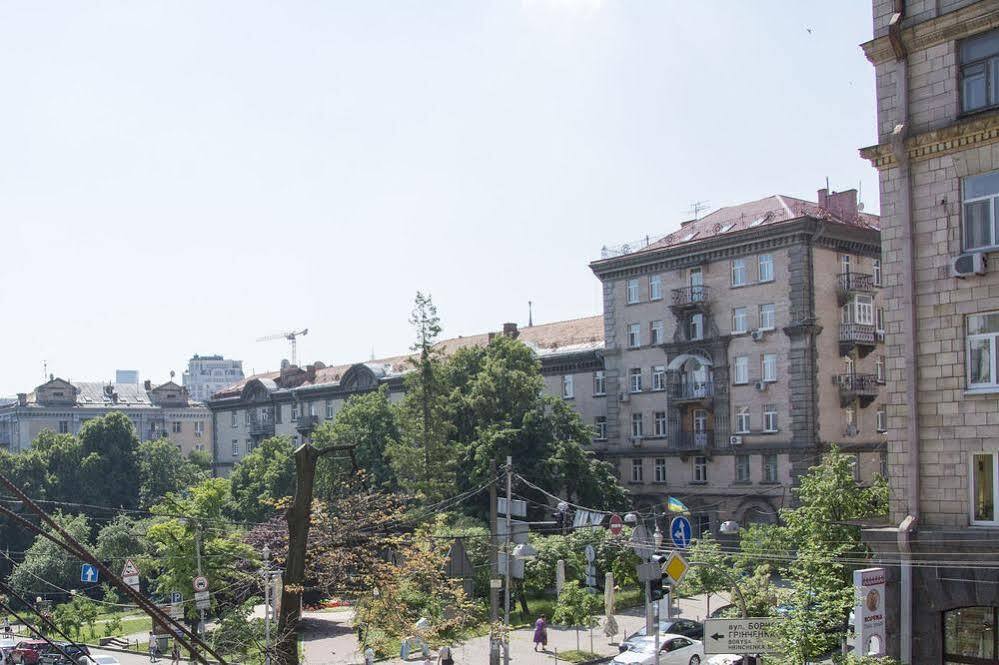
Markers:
(249, 446)
(740, 320)
(656, 287)
(879, 321)
(879, 369)
(599, 383)
(769, 367)
(981, 200)
(696, 326)
(766, 267)
(600, 428)
(848, 365)
(64, 427)
(740, 375)
(637, 425)
(632, 291)
(769, 417)
(177, 427)
(850, 418)
(659, 423)
(770, 468)
(235, 419)
(635, 379)
(882, 419)
(739, 272)
(860, 310)
(634, 335)
(979, 60)
(636, 470)
(199, 427)
(983, 331)
(742, 420)
(656, 332)
(844, 260)
(984, 471)
(294, 411)
(659, 377)
(700, 469)
(235, 447)
(246, 415)
(660, 469)
(568, 390)
(768, 316)
(742, 468)
(877, 272)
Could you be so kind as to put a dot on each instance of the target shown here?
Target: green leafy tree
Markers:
(68, 620)
(163, 469)
(262, 478)
(47, 563)
(761, 595)
(110, 462)
(120, 539)
(201, 459)
(576, 607)
(240, 634)
(87, 612)
(710, 574)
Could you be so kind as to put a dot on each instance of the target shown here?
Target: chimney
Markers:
(147, 384)
(22, 399)
(842, 205)
(510, 330)
(311, 371)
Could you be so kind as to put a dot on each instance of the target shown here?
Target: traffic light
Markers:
(660, 586)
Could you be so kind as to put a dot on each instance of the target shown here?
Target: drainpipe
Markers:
(903, 213)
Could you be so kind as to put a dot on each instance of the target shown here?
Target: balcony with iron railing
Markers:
(861, 336)
(691, 391)
(857, 387)
(690, 297)
(698, 440)
(261, 426)
(851, 283)
(306, 424)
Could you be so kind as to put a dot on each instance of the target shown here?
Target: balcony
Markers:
(261, 428)
(692, 440)
(861, 336)
(850, 283)
(691, 391)
(860, 387)
(306, 424)
(690, 297)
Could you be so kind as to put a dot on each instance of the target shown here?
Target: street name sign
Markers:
(680, 532)
(89, 573)
(749, 636)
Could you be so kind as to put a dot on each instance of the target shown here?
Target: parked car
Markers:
(29, 652)
(673, 650)
(6, 646)
(101, 659)
(732, 659)
(685, 627)
(78, 652)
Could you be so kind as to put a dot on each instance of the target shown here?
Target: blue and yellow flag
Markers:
(674, 505)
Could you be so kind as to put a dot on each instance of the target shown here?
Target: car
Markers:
(673, 650)
(732, 659)
(6, 646)
(78, 653)
(29, 652)
(101, 659)
(685, 627)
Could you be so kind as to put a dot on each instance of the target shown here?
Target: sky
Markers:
(182, 176)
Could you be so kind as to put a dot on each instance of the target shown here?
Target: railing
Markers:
(261, 426)
(691, 390)
(858, 384)
(691, 295)
(307, 423)
(857, 333)
(692, 440)
(856, 281)
(627, 247)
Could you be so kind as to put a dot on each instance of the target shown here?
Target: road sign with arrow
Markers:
(680, 532)
(89, 573)
(751, 636)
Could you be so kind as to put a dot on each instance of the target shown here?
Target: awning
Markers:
(681, 359)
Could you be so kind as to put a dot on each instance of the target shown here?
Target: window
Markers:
(844, 260)
(854, 460)
(312, 408)
(848, 365)
(176, 427)
(770, 367)
(235, 447)
(635, 379)
(979, 71)
(600, 428)
(599, 384)
(766, 267)
(700, 420)
(637, 425)
(740, 322)
(329, 409)
(568, 391)
(879, 322)
(742, 419)
(879, 369)
(660, 469)
(249, 446)
(656, 332)
(700, 469)
(980, 199)
(700, 524)
(741, 373)
(742, 468)
(696, 326)
(768, 316)
(770, 418)
(634, 335)
(64, 427)
(859, 310)
(881, 416)
(246, 417)
(278, 413)
(636, 470)
(294, 411)
(983, 330)
(199, 428)
(970, 635)
(877, 272)
(235, 421)
(983, 488)
(659, 377)
(632, 291)
(656, 287)
(770, 468)
(659, 423)
(738, 272)
(850, 418)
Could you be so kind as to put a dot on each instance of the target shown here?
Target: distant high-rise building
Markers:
(206, 375)
(127, 376)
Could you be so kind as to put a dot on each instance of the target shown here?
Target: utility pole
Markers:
(509, 555)
(197, 553)
(493, 555)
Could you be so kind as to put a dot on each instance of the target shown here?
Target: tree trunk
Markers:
(523, 599)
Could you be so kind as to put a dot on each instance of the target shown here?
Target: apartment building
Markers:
(738, 348)
(64, 406)
(206, 375)
(293, 401)
(937, 75)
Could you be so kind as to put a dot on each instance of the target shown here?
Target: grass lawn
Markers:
(128, 627)
(577, 656)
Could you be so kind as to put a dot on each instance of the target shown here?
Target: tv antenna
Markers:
(696, 208)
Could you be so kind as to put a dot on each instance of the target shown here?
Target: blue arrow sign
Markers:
(680, 531)
(89, 573)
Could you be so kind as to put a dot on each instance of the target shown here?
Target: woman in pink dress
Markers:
(541, 633)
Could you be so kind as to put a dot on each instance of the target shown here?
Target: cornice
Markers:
(958, 24)
(963, 135)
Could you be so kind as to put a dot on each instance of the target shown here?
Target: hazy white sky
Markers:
(183, 177)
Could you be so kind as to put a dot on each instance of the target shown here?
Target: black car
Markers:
(686, 627)
(56, 657)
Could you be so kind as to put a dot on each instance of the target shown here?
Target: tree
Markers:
(163, 469)
(240, 634)
(110, 462)
(45, 563)
(201, 459)
(576, 607)
(708, 577)
(263, 477)
(119, 540)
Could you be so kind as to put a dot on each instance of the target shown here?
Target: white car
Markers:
(673, 650)
(731, 659)
(101, 660)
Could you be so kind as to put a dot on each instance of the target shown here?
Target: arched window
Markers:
(970, 636)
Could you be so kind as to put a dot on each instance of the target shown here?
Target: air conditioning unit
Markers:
(636, 441)
(761, 385)
(965, 265)
(735, 440)
(758, 335)
(625, 396)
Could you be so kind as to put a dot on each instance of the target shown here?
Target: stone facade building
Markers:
(64, 406)
(206, 375)
(937, 74)
(738, 348)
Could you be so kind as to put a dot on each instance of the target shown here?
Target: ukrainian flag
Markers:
(674, 505)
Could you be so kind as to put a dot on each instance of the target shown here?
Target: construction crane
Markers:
(291, 337)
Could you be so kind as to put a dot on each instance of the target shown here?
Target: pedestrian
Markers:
(153, 648)
(175, 654)
(541, 633)
(444, 656)
(6, 627)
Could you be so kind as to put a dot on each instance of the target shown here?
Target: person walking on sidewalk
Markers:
(175, 654)
(541, 633)
(444, 656)
(153, 648)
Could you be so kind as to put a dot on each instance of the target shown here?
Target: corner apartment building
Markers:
(738, 348)
(206, 375)
(64, 406)
(937, 75)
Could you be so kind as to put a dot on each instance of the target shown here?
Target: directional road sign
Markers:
(200, 583)
(89, 573)
(752, 636)
(680, 531)
(676, 567)
(616, 524)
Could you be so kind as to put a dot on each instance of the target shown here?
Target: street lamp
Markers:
(631, 518)
(657, 537)
(525, 552)
(729, 527)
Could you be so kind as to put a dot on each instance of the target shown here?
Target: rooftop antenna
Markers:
(291, 337)
(530, 313)
(827, 183)
(696, 207)
(45, 368)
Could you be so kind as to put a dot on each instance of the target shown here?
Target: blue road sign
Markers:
(175, 597)
(89, 573)
(680, 531)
